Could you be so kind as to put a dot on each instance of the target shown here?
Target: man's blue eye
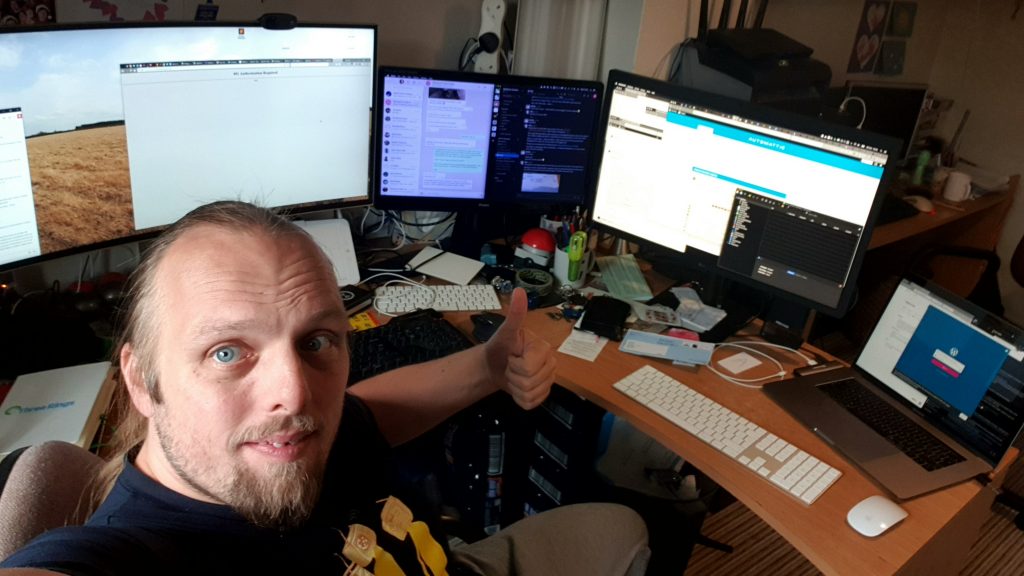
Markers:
(316, 344)
(226, 354)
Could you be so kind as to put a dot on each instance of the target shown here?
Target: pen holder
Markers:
(561, 268)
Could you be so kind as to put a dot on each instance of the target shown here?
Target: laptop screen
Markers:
(960, 367)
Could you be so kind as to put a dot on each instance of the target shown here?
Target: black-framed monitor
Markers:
(780, 202)
(889, 108)
(110, 132)
(457, 140)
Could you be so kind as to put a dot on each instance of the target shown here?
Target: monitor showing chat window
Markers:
(112, 132)
(455, 140)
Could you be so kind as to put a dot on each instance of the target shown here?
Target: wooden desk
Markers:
(981, 221)
(934, 539)
(893, 247)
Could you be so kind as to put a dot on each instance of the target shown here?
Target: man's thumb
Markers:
(511, 330)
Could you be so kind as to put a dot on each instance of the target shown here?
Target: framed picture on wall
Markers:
(867, 43)
(901, 21)
(892, 56)
(27, 12)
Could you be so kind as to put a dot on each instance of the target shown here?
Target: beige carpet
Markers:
(999, 550)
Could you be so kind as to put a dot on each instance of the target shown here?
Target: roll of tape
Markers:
(534, 281)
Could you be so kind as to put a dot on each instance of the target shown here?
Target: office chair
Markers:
(40, 489)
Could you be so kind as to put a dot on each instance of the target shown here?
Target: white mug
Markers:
(561, 268)
(958, 187)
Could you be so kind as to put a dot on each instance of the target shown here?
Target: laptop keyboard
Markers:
(908, 436)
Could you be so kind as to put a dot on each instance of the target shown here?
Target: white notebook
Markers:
(60, 404)
(446, 266)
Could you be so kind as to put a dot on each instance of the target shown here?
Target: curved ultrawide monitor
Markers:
(782, 202)
(112, 132)
(456, 140)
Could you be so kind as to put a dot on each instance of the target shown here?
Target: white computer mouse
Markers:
(874, 515)
(920, 202)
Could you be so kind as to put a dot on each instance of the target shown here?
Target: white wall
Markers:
(425, 34)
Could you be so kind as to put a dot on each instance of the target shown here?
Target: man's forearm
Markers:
(409, 401)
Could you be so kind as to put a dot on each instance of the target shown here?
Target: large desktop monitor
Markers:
(457, 140)
(780, 202)
(112, 132)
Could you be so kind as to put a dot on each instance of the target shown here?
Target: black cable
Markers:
(509, 37)
(463, 59)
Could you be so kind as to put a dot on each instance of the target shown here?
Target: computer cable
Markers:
(863, 108)
(746, 345)
(747, 382)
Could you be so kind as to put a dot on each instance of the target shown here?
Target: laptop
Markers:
(951, 371)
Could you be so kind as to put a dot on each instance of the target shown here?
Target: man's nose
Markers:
(287, 386)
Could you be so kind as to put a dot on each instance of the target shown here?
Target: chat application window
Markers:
(435, 138)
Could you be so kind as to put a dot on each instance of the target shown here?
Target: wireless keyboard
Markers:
(402, 298)
(784, 465)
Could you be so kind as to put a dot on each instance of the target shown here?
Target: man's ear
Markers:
(134, 380)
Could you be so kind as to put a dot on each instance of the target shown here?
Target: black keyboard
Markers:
(908, 436)
(407, 339)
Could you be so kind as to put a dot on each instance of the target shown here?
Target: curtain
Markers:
(559, 38)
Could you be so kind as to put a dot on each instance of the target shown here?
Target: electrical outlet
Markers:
(492, 15)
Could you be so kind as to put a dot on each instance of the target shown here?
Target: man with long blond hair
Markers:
(242, 452)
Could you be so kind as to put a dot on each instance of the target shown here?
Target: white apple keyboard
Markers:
(784, 465)
(402, 298)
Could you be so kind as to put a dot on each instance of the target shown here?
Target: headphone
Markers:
(487, 42)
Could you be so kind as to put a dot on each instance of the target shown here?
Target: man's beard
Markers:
(282, 496)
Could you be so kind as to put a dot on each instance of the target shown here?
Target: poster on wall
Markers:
(901, 23)
(867, 43)
(27, 12)
(72, 11)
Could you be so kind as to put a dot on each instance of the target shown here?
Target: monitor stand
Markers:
(478, 225)
(786, 323)
(741, 303)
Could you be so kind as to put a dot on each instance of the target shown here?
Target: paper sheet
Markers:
(583, 344)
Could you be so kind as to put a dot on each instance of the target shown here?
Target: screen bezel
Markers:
(776, 117)
(852, 86)
(290, 209)
(392, 202)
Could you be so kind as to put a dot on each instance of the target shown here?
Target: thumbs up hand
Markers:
(519, 362)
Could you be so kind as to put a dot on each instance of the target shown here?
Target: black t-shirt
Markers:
(145, 528)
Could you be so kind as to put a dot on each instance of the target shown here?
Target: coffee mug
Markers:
(958, 187)
(561, 268)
